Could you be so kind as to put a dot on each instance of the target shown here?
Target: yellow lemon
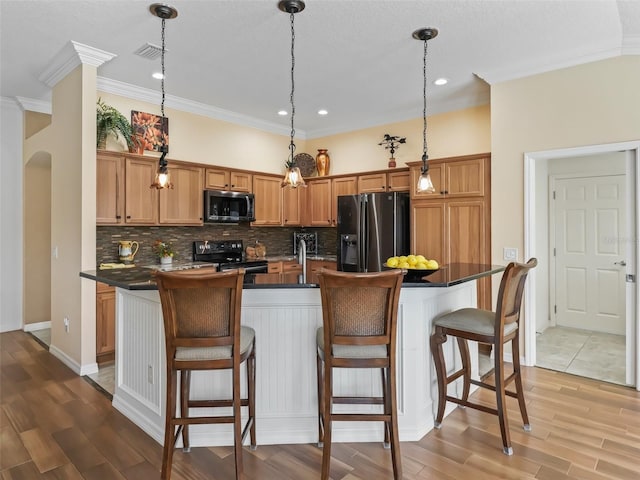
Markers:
(432, 265)
(422, 266)
(421, 258)
(402, 258)
(412, 259)
(392, 262)
(404, 265)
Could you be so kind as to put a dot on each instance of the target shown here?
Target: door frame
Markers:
(531, 160)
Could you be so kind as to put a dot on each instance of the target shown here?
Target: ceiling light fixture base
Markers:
(291, 6)
(164, 11)
(425, 33)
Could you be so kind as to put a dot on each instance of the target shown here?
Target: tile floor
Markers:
(582, 352)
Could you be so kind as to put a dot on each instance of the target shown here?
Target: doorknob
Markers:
(622, 263)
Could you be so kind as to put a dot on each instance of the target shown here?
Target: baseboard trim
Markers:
(32, 327)
(72, 364)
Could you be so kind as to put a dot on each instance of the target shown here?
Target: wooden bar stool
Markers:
(201, 311)
(359, 313)
(491, 328)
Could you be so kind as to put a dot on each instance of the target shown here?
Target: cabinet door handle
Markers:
(128, 216)
(118, 217)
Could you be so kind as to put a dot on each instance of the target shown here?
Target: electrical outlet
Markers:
(54, 252)
(150, 374)
(510, 254)
(66, 324)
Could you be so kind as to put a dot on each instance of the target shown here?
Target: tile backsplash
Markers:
(278, 240)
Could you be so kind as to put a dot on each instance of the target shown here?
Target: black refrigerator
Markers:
(371, 228)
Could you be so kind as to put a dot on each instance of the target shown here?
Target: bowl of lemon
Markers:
(415, 265)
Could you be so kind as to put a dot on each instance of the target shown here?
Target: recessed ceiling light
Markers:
(322, 111)
(282, 113)
(440, 81)
(157, 75)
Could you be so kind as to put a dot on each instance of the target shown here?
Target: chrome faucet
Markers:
(302, 258)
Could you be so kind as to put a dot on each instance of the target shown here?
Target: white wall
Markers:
(11, 135)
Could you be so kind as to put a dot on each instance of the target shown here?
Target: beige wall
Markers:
(205, 140)
(196, 138)
(70, 140)
(462, 132)
(37, 239)
(595, 103)
(34, 122)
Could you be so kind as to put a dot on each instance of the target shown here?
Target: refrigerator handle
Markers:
(363, 241)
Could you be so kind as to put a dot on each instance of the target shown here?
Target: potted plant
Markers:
(109, 121)
(164, 251)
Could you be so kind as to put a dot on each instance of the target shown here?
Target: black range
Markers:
(228, 254)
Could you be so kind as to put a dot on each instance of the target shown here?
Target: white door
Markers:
(589, 247)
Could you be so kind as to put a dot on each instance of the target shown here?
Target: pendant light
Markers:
(293, 177)
(162, 180)
(425, 185)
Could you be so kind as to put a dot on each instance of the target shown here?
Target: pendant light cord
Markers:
(425, 156)
(162, 79)
(292, 146)
(163, 147)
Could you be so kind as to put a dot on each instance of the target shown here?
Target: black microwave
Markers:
(221, 206)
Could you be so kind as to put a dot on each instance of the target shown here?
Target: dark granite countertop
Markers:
(141, 278)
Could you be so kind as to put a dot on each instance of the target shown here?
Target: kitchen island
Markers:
(285, 312)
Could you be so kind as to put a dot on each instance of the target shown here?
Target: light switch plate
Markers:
(510, 254)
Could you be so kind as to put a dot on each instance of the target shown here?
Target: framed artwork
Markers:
(149, 129)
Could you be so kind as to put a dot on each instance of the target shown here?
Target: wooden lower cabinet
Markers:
(105, 323)
(314, 265)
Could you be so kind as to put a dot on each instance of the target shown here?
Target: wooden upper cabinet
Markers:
(291, 205)
(399, 181)
(319, 203)
(225, 179)
(396, 181)
(436, 172)
(110, 189)
(268, 199)
(141, 200)
(372, 182)
(456, 177)
(182, 204)
(341, 186)
(465, 178)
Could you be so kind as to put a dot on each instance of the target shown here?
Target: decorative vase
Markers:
(322, 162)
(392, 162)
(166, 260)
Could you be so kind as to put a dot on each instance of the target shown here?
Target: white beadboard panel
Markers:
(285, 321)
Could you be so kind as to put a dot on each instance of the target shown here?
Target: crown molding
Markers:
(561, 61)
(71, 56)
(34, 105)
(116, 87)
(9, 102)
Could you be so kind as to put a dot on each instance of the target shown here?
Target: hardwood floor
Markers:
(55, 425)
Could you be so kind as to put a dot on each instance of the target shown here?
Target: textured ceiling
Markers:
(355, 58)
